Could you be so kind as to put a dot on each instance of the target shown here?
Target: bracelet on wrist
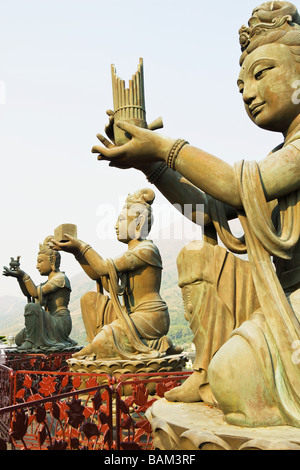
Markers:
(174, 152)
(82, 252)
(157, 173)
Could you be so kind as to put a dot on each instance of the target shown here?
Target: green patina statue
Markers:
(48, 322)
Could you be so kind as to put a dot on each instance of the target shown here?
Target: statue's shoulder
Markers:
(148, 252)
(60, 280)
(148, 243)
(294, 141)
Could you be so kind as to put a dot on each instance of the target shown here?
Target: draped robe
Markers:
(273, 330)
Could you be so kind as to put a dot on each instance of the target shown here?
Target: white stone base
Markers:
(196, 426)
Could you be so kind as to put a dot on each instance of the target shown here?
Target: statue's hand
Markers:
(18, 273)
(109, 128)
(144, 148)
(73, 245)
(110, 142)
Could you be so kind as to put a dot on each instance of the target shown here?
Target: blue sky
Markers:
(55, 59)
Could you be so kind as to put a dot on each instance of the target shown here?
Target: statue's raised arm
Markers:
(269, 68)
(137, 327)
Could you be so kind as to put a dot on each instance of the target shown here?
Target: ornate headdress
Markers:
(141, 201)
(270, 22)
(142, 196)
(48, 248)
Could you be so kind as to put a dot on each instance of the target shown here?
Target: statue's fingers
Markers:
(69, 237)
(105, 141)
(130, 128)
(109, 131)
(102, 157)
(115, 164)
(62, 244)
(114, 152)
(56, 244)
(110, 112)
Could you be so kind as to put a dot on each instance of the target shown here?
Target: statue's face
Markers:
(130, 223)
(266, 83)
(43, 265)
(126, 225)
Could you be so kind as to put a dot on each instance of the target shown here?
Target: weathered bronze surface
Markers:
(48, 322)
(137, 327)
(245, 314)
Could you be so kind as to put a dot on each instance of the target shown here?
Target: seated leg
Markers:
(190, 390)
(88, 303)
(103, 345)
(213, 283)
(28, 337)
(96, 310)
(240, 388)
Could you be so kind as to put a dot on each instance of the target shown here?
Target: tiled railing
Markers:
(58, 409)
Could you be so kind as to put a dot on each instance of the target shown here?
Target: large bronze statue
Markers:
(135, 328)
(48, 322)
(245, 314)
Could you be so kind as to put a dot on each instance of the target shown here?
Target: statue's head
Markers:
(270, 65)
(135, 220)
(48, 259)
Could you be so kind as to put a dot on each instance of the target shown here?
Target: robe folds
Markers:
(133, 332)
(48, 321)
(247, 319)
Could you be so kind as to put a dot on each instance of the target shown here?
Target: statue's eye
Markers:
(258, 75)
(262, 73)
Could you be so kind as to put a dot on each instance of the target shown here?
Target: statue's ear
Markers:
(140, 221)
(53, 261)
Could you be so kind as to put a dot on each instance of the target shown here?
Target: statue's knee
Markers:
(232, 369)
(20, 337)
(240, 387)
(88, 298)
(32, 309)
(195, 263)
(29, 307)
(197, 246)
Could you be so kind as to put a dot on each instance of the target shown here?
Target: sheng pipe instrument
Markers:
(129, 103)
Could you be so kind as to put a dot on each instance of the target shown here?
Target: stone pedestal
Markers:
(118, 367)
(196, 426)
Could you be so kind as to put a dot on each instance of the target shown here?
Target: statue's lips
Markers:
(256, 108)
